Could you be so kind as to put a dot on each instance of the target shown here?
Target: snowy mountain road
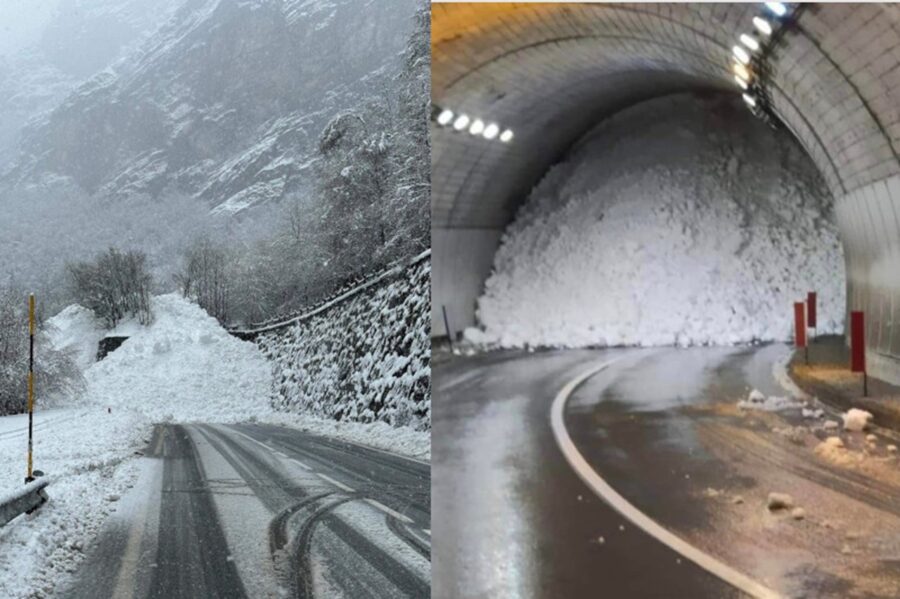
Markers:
(663, 429)
(264, 511)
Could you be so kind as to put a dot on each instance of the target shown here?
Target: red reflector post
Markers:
(799, 325)
(857, 342)
(811, 309)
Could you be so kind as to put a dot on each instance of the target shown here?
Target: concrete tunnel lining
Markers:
(552, 71)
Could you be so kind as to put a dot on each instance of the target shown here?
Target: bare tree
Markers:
(206, 277)
(114, 286)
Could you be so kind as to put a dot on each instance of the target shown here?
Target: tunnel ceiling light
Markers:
(491, 131)
(506, 136)
(741, 55)
(762, 25)
(477, 127)
(741, 71)
(461, 122)
(750, 100)
(445, 117)
(777, 7)
(742, 82)
(750, 42)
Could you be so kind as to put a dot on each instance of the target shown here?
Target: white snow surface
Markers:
(76, 328)
(681, 220)
(184, 367)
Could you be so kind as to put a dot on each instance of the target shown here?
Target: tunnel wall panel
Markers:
(462, 260)
(869, 219)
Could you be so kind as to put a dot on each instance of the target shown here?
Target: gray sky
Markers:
(21, 22)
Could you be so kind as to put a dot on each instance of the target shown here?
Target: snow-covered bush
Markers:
(366, 358)
(55, 371)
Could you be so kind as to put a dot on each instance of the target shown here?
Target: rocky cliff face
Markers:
(48, 47)
(223, 103)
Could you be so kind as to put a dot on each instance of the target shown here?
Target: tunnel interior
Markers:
(827, 74)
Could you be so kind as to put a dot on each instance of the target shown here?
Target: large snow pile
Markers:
(183, 367)
(77, 329)
(682, 220)
(365, 359)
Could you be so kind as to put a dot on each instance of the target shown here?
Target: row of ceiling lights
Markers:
(463, 122)
(742, 52)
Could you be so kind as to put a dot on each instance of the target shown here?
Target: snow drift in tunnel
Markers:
(681, 220)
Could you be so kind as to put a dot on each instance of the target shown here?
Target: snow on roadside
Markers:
(86, 453)
(184, 367)
(660, 229)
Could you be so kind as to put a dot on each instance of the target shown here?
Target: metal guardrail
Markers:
(253, 330)
(24, 500)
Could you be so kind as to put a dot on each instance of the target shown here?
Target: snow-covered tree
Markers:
(55, 371)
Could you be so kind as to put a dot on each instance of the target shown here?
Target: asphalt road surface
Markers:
(264, 511)
(513, 519)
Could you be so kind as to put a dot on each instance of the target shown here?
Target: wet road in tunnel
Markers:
(512, 518)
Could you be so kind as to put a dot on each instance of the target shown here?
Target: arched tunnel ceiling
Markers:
(551, 71)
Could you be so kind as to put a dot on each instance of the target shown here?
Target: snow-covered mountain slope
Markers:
(223, 103)
(47, 48)
(681, 220)
(364, 359)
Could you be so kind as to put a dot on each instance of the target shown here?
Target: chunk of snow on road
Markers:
(813, 413)
(642, 237)
(770, 404)
(756, 396)
(779, 501)
(856, 420)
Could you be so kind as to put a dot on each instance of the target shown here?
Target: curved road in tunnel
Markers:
(264, 511)
(512, 518)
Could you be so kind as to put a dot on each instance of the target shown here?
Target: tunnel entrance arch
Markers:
(551, 71)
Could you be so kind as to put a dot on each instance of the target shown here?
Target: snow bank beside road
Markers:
(85, 451)
(681, 221)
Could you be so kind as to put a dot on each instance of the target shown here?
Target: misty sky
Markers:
(21, 22)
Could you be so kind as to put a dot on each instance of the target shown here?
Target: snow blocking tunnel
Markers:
(552, 71)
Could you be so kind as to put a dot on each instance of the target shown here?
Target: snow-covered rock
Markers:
(642, 236)
(364, 359)
(856, 420)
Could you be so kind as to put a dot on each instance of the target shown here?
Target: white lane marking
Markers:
(427, 531)
(248, 437)
(378, 505)
(299, 463)
(621, 505)
(337, 484)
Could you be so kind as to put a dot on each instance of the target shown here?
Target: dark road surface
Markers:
(513, 519)
(264, 511)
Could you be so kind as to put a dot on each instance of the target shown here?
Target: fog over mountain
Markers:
(145, 123)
